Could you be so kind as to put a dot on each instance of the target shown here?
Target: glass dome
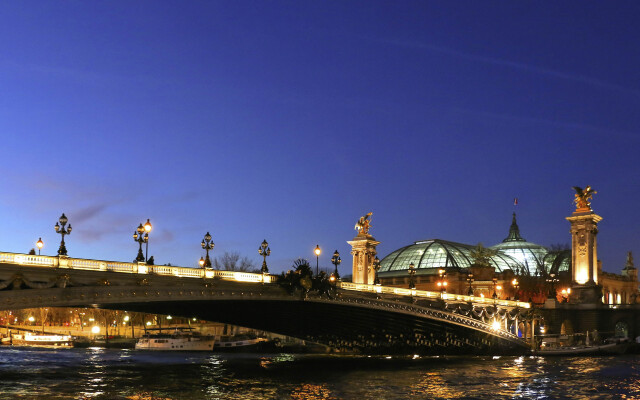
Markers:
(530, 255)
(557, 261)
(430, 255)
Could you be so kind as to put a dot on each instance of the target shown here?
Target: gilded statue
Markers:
(583, 197)
(363, 224)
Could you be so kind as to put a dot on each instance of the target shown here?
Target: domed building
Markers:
(513, 257)
(428, 256)
(530, 256)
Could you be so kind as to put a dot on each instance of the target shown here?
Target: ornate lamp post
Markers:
(515, 284)
(147, 229)
(39, 245)
(201, 262)
(140, 238)
(470, 281)
(495, 285)
(376, 268)
(317, 251)
(336, 260)
(264, 250)
(62, 251)
(412, 273)
(442, 283)
(207, 244)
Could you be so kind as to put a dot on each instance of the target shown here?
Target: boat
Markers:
(32, 339)
(619, 347)
(180, 340)
(110, 342)
(240, 343)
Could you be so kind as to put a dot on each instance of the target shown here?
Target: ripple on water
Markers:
(135, 375)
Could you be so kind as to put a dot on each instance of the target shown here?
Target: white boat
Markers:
(32, 339)
(176, 341)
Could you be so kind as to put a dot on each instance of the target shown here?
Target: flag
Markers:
(515, 201)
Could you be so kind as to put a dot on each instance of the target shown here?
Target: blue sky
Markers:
(289, 120)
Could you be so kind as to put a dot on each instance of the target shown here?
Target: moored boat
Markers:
(603, 349)
(32, 339)
(179, 340)
(240, 343)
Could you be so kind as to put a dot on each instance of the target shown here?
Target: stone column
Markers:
(584, 257)
(363, 249)
(584, 254)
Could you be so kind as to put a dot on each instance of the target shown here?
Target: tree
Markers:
(482, 256)
(300, 278)
(231, 261)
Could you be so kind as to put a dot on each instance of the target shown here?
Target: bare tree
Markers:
(559, 247)
(231, 261)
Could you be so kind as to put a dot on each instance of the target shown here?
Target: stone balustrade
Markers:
(130, 268)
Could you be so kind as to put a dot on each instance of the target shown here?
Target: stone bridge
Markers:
(367, 318)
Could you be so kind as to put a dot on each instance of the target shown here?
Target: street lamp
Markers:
(140, 238)
(376, 268)
(39, 245)
(207, 244)
(317, 251)
(147, 229)
(515, 284)
(264, 250)
(495, 285)
(201, 262)
(412, 272)
(336, 260)
(470, 281)
(62, 251)
(442, 283)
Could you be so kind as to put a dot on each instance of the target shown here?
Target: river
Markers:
(38, 373)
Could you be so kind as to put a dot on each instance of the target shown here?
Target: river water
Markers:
(35, 373)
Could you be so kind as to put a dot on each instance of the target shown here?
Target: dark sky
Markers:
(289, 120)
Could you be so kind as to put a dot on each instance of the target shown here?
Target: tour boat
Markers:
(32, 339)
(177, 340)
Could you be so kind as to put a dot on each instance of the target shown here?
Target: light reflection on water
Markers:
(133, 375)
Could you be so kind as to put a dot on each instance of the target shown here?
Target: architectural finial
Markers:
(629, 263)
(582, 198)
(514, 232)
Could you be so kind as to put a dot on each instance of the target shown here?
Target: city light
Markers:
(95, 329)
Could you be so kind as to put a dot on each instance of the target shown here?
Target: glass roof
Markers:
(557, 261)
(530, 255)
(430, 255)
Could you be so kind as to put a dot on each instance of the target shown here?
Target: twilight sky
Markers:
(288, 120)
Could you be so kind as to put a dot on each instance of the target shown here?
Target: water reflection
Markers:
(133, 375)
(433, 386)
(311, 392)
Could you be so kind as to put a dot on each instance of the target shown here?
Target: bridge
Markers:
(351, 317)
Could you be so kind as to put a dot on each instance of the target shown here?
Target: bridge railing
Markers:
(131, 268)
(360, 287)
